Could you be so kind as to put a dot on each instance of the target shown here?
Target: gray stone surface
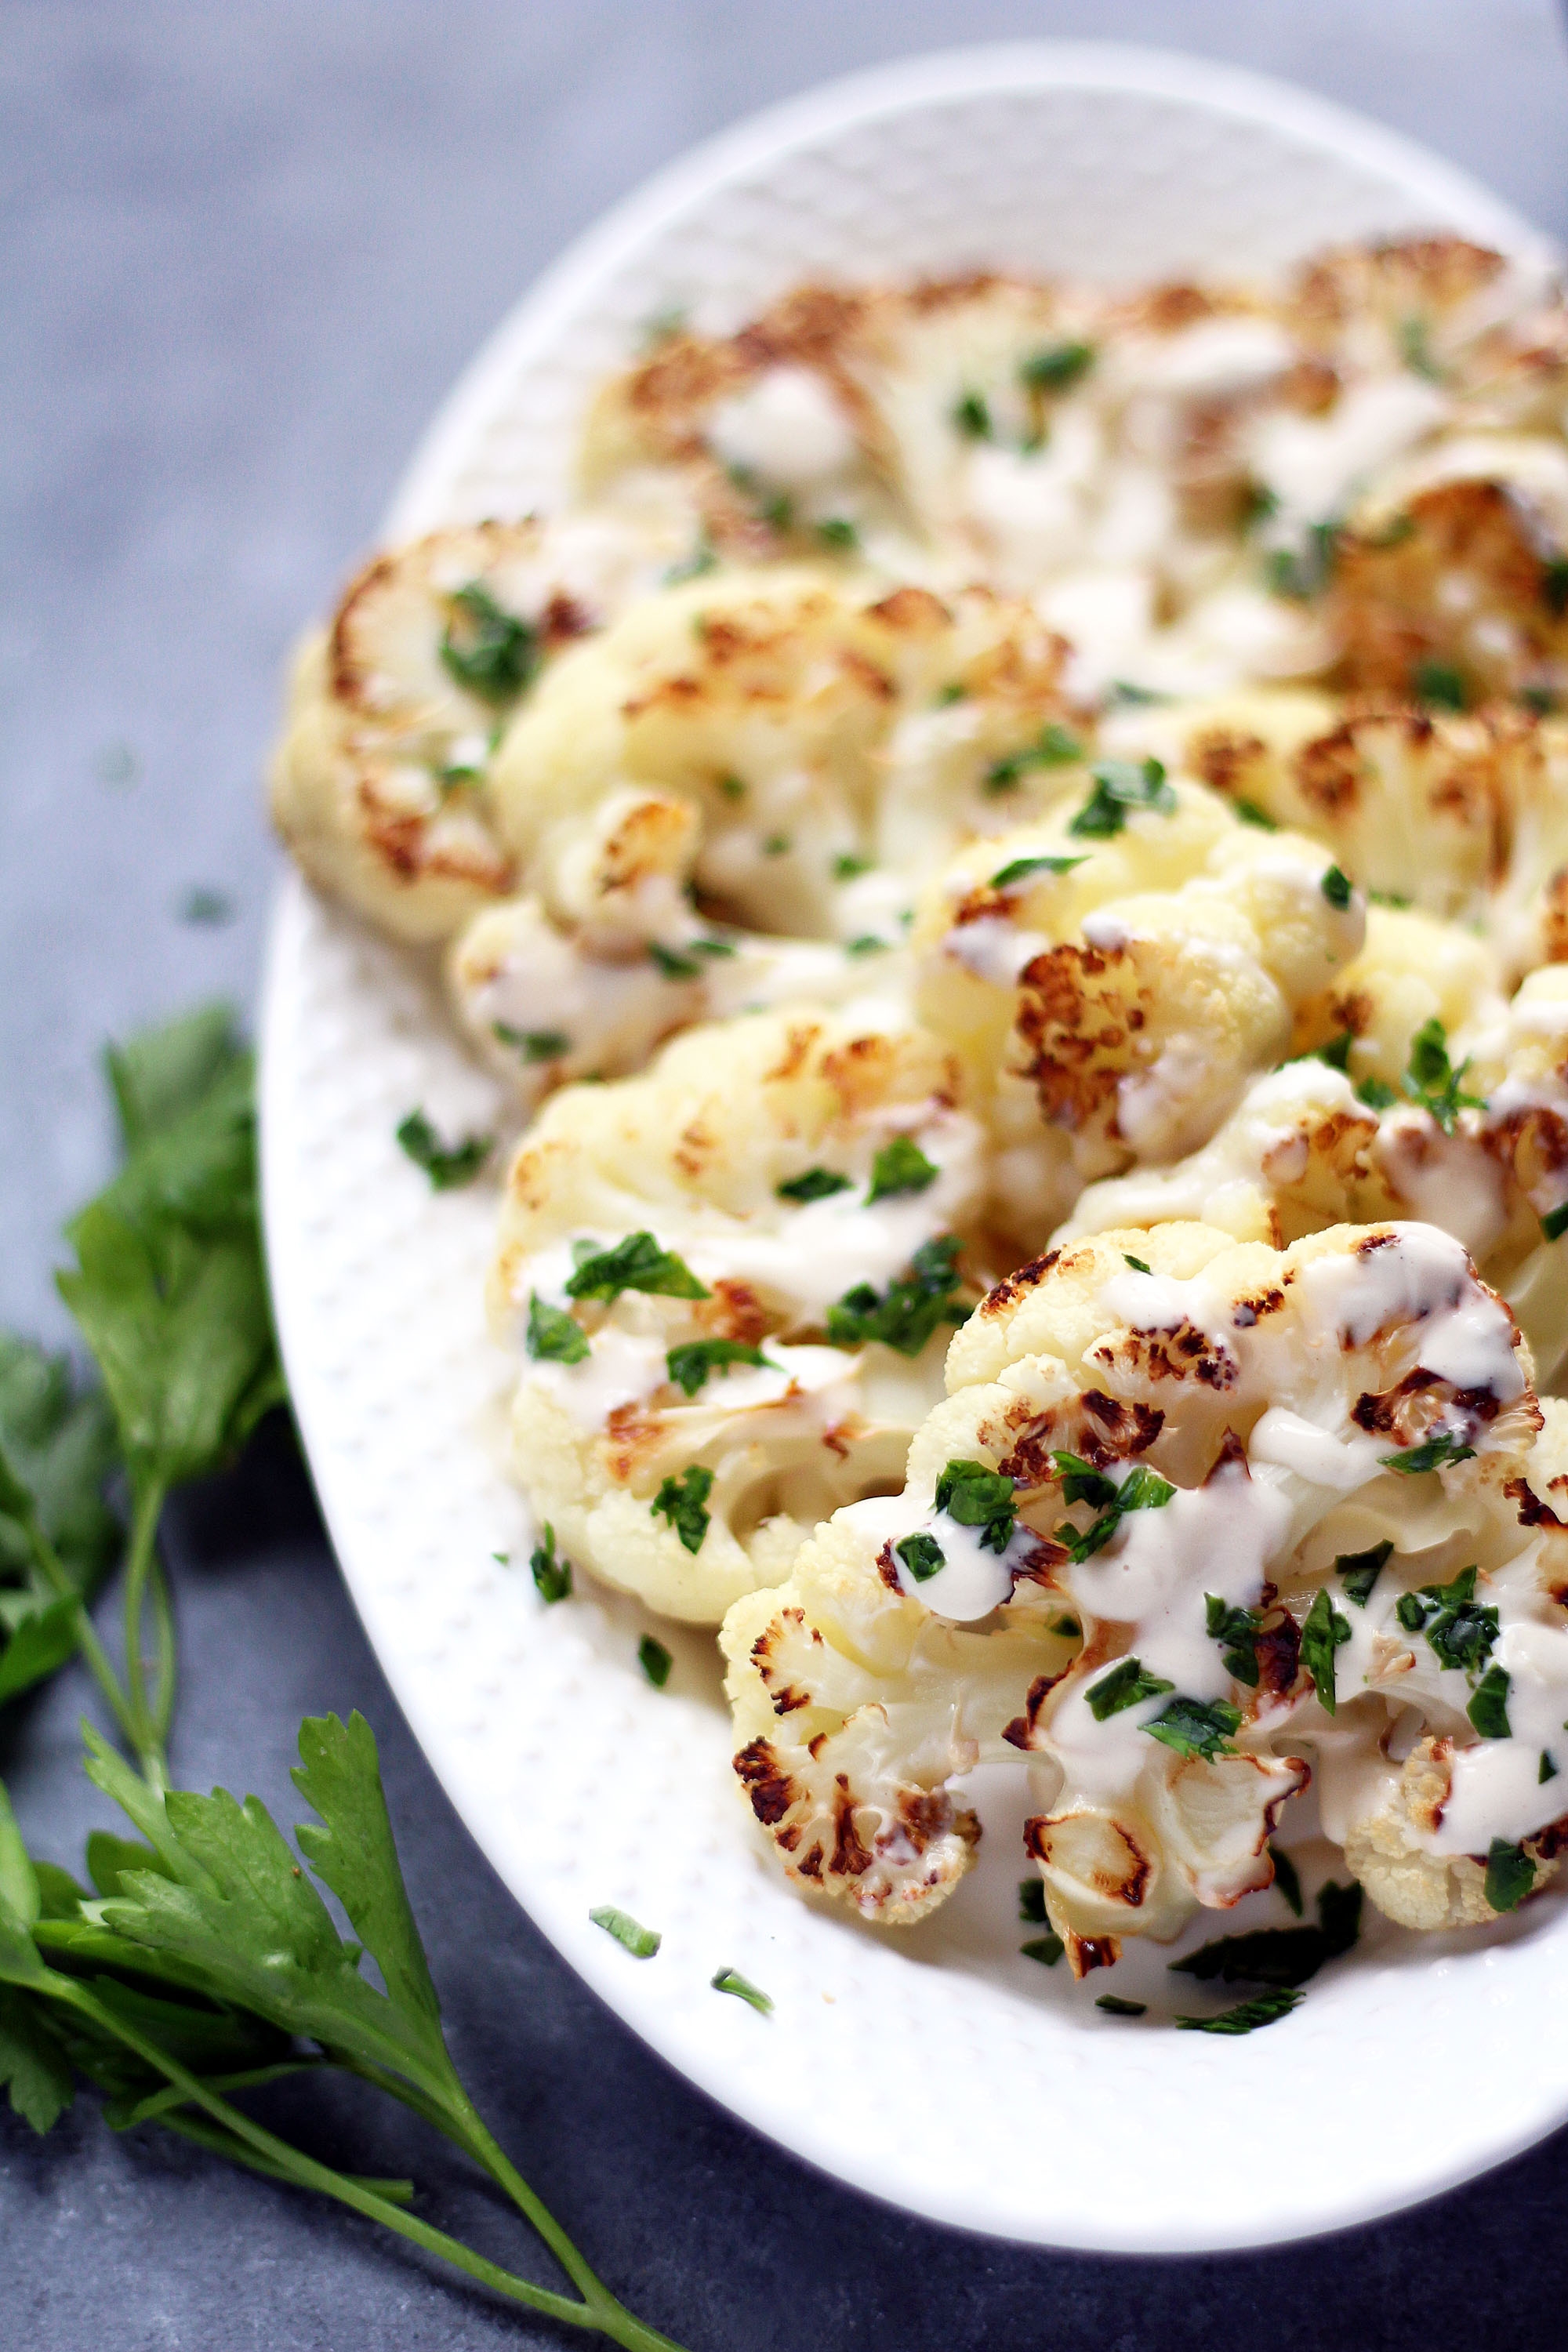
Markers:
(245, 248)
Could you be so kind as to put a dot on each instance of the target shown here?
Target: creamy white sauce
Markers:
(1422, 1276)
(994, 949)
(1313, 465)
(1445, 1179)
(785, 427)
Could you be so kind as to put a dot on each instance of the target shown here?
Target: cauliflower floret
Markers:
(733, 1278)
(1118, 974)
(1264, 1487)
(380, 785)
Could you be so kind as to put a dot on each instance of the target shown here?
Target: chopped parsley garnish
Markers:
(635, 1264)
(1555, 1222)
(1007, 878)
(1127, 1684)
(1510, 1875)
(683, 1501)
(1196, 1726)
(1323, 1631)
(1388, 898)
(1114, 2006)
(654, 1658)
(848, 865)
(1139, 1264)
(1054, 747)
(1436, 1454)
(778, 512)
(1554, 585)
(692, 1362)
(954, 692)
(1441, 685)
(202, 904)
(1488, 1710)
(1123, 694)
(1281, 1956)
(978, 1497)
(1301, 573)
(733, 788)
(1082, 1482)
(1415, 349)
(1120, 785)
(1337, 1052)
(533, 1044)
(1460, 1630)
(490, 652)
(1143, 1489)
(1046, 1949)
(814, 1184)
(837, 531)
(1377, 1094)
(777, 844)
(971, 416)
(1055, 366)
(1358, 1571)
(1250, 813)
(866, 944)
(1336, 888)
(553, 1337)
(674, 963)
(1032, 1902)
(1433, 1082)
(551, 1574)
(446, 1165)
(731, 1981)
(900, 1166)
(905, 1316)
(641, 1942)
(1236, 1629)
(1265, 2009)
(1548, 1770)
(1286, 1878)
(703, 557)
(921, 1555)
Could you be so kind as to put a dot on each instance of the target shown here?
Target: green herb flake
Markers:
(1436, 1454)
(1548, 1770)
(1460, 1630)
(683, 1501)
(1139, 1264)
(921, 1555)
(777, 844)
(533, 1044)
(1358, 1571)
(1054, 747)
(1431, 1080)
(1024, 869)
(1287, 1878)
(1046, 1949)
(866, 944)
(1300, 573)
(977, 1497)
(1249, 812)
(1337, 1052)
(553, 1336)
(1082, 1482)
(674, 963)
(1236, 1629)
(900, 1166)
(848, 865)
(1127, 1684)
(204, 906)
(1032, 1902)
(1120, 785)
(1281, 1956)
(693, 1362)
(839, 532)
(1114, 2006)
(1056, 367)
(1248, 2016)
(702, 558)
(641, 1942)
(552, 1573)
(972, 417)
(489, 652)
(1195, 1726)
(446, 1165)
(1510, 1875)
(1336, 888)
(1415, 349)
(1323, 1631)
(1376, 1093)
(1488, 1709)
(1555, 1225)
(638, 1263)
(1143, 1489)
(905, 1316)
(733, 788)
(1554, 585)
(653, 1657)
(1440, 685)
(814, 1184)
(731, 1981)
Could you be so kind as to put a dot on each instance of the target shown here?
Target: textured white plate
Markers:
(936, 2069)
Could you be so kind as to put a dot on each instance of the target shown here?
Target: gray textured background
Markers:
(245, 248)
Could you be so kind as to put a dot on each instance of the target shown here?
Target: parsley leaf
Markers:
(1236, 1631)
(1286, 1878)
(1114, 2006)
(1337, 887)
(839, 532)
(1377, 1094)
(849, 863)
(57, 1535)
(1139, 1264)
(641, 1942)
(690, 1364)
(654, 1658)
(1433, 1082)
(1143, 1489)
(552, 1573)
(1120, 785)
(978, 1497)
(553, 1336)
(900, 1166)
(638, 1263)
(673, 962)
(1488, 1710)
(731, 1981)
(446, 1165)
(1440, 685)
(533, 1044)
(683, 1501)
(1266, 2008)
(814, 1184)
(1358, 1571)
(1460, 1630)
(905, 1316)
(1127, 1684)
(1510, 1875)
(1081, 1483)
(489, 652)
(1055, 366)
(1250, 813)
(1195, 1726)
(1323, 1631)
(1555, 1225)
(1007, 878)
(1046, 1949)
(1053, 747)
(1032, 1902)
(972, 417)
(1280, 1956)
(1436, 1454)
(921, 1555)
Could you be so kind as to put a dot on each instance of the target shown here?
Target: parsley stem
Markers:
(234, 2151)
(57, 1575)
(145, 1734)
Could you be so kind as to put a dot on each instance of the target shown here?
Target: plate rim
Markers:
(1456, 199)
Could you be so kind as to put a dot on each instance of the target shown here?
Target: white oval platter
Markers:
(937, 2069)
